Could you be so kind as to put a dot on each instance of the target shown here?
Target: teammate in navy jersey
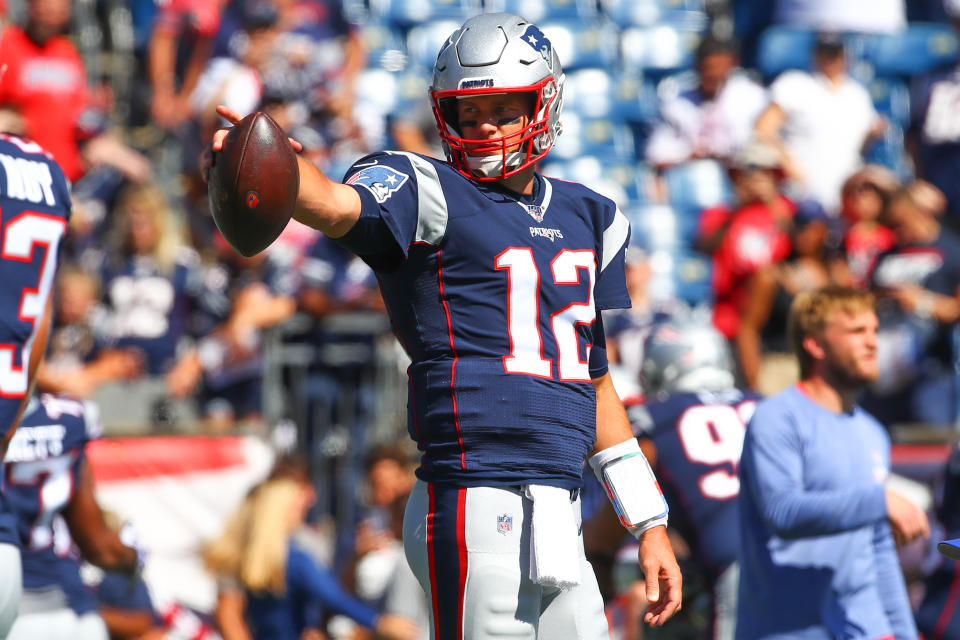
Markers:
(692, 429)
(34, 209)
(938, 615)
(493, 277)
(50, 488)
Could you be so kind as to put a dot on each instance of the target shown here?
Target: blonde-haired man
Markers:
(817, 552)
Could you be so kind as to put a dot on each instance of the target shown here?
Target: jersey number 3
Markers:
(523, 313)
(21, 237)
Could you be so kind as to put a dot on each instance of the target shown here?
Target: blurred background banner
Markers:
(177, 492)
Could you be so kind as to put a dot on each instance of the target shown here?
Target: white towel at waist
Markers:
(554, 541)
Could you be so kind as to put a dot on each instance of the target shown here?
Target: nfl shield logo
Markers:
(504, 524)
(535, 211)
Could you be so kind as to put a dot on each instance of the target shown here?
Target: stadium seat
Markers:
(384, 46)
(378, 88)
(656, 226)
(424, 42)
(891, 98)
(538, 10)
(592, 172)
(406, 14)
(596, 93)
(646, 13)
(697, 185)
(680, 274)
(601, 137)
(588, 93)
(890, 151)
(921, 48)
(782, 48)
(633, 99)
(658, 50)
(620, 180)
(579, 44)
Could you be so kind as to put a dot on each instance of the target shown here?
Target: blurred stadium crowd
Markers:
(759, 150)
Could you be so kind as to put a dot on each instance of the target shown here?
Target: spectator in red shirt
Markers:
(45, 85)
(864, 198)
(747, 236)
(45, 81)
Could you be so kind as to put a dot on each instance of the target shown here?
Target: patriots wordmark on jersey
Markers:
(42, 467)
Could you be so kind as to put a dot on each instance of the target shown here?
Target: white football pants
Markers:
(11, 586)
(470, 550)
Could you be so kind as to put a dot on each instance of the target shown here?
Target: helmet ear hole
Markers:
(448, 109)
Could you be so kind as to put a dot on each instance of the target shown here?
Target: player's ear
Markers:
(813, 347)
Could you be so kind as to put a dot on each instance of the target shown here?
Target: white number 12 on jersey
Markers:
(523, 313)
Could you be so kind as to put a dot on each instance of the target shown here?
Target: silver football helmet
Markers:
(497, 53)
(682, 356)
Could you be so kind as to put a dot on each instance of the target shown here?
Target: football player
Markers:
(34, 209)
(50, 487)
(691, 428)
(493, 277)
(938, 615)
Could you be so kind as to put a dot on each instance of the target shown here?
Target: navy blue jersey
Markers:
(494, 297)
(336, 271)
(934, 266)
(352, 288)
(698, 438)
(221, 281)
(80, 597)
(42, 467)
(282, 617)
(34, 209)
(937, 133)
(150, 308)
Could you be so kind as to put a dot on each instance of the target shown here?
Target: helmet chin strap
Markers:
(492, 166)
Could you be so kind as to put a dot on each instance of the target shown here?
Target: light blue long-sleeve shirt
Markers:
(817, 557)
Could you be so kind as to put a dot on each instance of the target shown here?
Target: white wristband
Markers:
(633, 490)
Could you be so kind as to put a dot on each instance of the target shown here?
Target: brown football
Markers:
(253, 185)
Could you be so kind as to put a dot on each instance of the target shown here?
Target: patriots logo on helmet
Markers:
(380, 180)
(477, 83)
(535, 38)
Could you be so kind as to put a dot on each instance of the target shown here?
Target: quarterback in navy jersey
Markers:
(34, 210)
(49, 486)
(493, 277)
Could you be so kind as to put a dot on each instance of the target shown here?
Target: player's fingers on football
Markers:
(296, 145)
(218, 137)
(229, 114)
(206, 163)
